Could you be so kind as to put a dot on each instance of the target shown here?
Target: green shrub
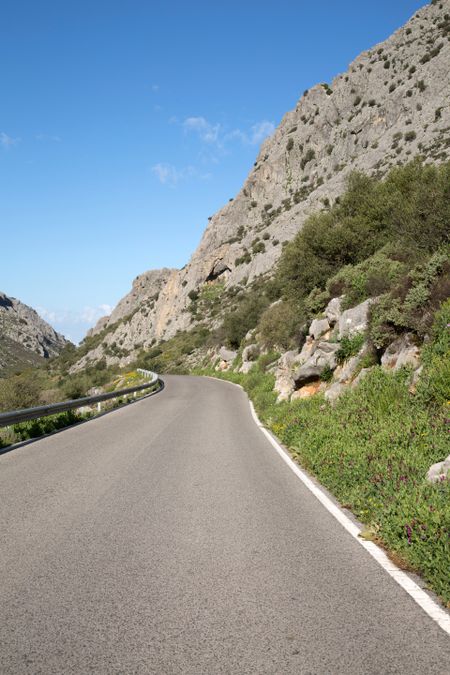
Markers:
(279, 325)
(411, 207)
(434, 384)
(370, 278)
(349, 346)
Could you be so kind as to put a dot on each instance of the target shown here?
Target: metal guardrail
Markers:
(16, 416)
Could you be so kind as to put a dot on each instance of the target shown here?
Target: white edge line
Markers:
(434, 611)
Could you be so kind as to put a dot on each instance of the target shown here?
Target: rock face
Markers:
(354, 320)
(24, 336)
(143, 296)
(402, 352)
(323, 357)
(318, 328)
(392, 104)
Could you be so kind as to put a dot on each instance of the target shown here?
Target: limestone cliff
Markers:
(392, 104)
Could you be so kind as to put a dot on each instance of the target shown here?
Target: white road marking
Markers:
(422, 598)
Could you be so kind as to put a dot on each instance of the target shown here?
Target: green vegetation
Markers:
(373, 448)
(24, 391)
(380, 239)
(349, 346)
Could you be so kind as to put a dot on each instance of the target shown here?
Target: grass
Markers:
(372, 450)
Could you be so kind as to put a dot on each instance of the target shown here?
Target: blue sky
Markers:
(124, 125)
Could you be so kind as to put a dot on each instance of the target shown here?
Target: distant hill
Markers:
(25, 338)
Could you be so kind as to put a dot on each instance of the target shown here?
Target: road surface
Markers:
(169, 537)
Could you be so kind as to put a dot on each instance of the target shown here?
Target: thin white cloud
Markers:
(88, 315)
(207, 132)
(8, 141)
(257, 133)
(155, 87)
(215, 134)
(170, 175)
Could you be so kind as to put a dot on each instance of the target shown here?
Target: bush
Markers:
(237, 324)
(411, 304)
(349, 346)
(370, 278)
(279, 326)
(410, 208)
(19, 391)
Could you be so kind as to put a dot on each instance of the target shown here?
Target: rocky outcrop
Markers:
(354, 320)
(403, 352)
(318, 328)
(143, 296)
(24, 335)
(249, 355)
(392, 103)
(322, 358)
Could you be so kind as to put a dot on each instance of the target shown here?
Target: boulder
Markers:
(284, 382)
(333, 311)
(324, 356)
(306, 351)
(354, 320)
(318, 328)
(250, 353)
(402, 352)
(439, 471)
(227, 355)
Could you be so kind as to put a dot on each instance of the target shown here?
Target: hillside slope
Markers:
(25, 338)
(391, 105)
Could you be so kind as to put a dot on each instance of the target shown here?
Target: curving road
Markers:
(168, 537)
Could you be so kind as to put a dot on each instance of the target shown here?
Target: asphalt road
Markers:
(169, 537)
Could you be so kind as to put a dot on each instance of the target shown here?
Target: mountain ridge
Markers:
(25, 338)
(392, 104)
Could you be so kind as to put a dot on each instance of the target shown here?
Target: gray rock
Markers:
(402, 352)
(306, 351)
(354, 320)
(439, 471)
(324, 356)
(284, 382)
(227, 355)
(250, 353)
(333, 311)
(318, 328)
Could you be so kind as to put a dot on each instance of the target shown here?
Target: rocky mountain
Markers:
(391, 105)
(25, 338)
